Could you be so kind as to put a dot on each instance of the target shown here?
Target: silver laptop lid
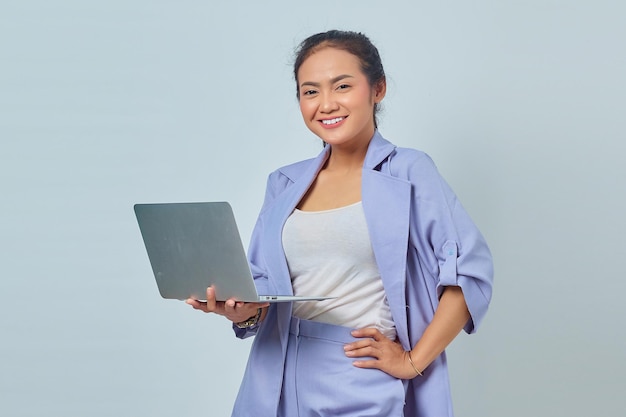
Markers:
(192, 246)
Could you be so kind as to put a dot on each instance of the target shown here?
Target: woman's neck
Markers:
(343, 158)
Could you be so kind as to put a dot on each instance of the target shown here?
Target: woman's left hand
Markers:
(382, 352)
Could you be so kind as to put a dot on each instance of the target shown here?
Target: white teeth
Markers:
(332, 121)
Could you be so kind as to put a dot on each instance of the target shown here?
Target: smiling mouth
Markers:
(330, 122)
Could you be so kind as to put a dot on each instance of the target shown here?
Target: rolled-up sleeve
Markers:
(449, 243)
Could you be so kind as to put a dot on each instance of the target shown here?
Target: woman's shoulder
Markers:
(416, 167)
(290, 172)
(410, 155)
(411, 163)
(286, 175)
(295, 169)
(398, 157)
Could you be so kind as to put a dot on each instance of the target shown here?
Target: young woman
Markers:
(374, 226)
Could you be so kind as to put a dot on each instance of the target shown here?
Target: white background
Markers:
(105, 104)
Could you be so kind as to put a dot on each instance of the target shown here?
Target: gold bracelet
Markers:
(413, 365)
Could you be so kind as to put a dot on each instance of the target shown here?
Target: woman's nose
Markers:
(328, 103)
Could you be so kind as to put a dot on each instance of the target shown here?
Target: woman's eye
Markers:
(309, 92)
(343, 87)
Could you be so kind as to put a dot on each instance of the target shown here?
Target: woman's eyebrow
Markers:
(332, 81)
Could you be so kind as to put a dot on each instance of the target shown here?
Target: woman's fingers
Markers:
(372, 332)
(197, 305)
(368, 346)
(211, 305)
(235, 311)
(368, 337)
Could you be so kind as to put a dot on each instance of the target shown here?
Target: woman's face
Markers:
(336, 99)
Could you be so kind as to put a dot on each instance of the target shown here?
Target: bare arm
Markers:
(450, 317)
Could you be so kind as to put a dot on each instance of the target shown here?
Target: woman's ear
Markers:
(380, 90)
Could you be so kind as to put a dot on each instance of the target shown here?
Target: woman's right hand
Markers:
(235, 311)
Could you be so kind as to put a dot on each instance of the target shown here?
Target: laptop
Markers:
(192, 246)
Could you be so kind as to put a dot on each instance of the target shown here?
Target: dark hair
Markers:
(355, 43)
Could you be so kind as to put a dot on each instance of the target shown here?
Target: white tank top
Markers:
(329, 253)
